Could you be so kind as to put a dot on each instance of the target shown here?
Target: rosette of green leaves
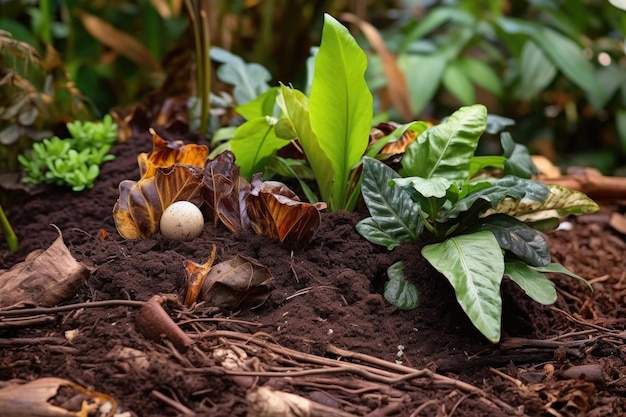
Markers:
(73, 162)
(484, 227)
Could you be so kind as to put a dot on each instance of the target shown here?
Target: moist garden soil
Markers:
(326, 332)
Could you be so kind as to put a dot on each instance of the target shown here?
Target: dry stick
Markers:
(422, 407)
(172, 403)
(437, 379)
(69, 307)
(375, 374)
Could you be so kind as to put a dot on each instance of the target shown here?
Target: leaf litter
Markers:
(325, 333)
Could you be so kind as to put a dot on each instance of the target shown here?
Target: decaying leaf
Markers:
(45, 278)
(165, 154)
(196, 275)
(277, 212)
(239, 283)
(171, 172)
(225, 192)
(140, 205)
(33, 399)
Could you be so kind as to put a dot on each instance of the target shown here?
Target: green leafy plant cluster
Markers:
(73, 162)
(480, 226)
(331, 125)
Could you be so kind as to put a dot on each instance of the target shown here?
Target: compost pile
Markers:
(325, 341)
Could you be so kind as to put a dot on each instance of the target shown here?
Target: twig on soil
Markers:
(9, 323)
(69, 307)
(389, 374)
(172, 403)
(424, 406)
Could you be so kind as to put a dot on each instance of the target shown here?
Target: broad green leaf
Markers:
(519, 162)
(429, 193)
(535, 284)
(569, 58)
(393, 212)
(480, 163)
(261, 106)
(424, 73)
(481, 74)
(560, 202)
(374, 233)
(398, 291)
(536, 72)
(295, 107)
(446, 150)
(490, 197)
(474, 265)
(341, 107)
(253, 143)
(526, 243)
(437, 17)
(458, 83)
(557, 268)
(428, 187)
(249, 80)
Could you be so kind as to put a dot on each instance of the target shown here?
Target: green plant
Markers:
(478, 226)
(331, 126)
(73, 162)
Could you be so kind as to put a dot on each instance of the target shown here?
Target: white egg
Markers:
(182, 220)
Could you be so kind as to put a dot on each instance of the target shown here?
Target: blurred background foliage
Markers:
(558, 67)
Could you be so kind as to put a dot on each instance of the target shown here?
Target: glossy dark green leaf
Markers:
(512, 235)
(519, 162)
(395, 217)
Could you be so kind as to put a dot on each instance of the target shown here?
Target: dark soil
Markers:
(326, 333)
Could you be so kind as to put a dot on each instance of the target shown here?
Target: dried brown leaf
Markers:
(241, 282)
(119, 41)
(138, 210)
(31, 399)
(45, 278)
(277, 212)
(168, 153)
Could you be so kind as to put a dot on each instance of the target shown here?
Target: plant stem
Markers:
(202, 40)
(206, 66)
(8, 232)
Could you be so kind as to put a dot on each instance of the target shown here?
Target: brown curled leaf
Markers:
(239, 283)
(277, 212)
(168, 153)
(139, 208)
(225, 192)
(196, 275)
(45, 278)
